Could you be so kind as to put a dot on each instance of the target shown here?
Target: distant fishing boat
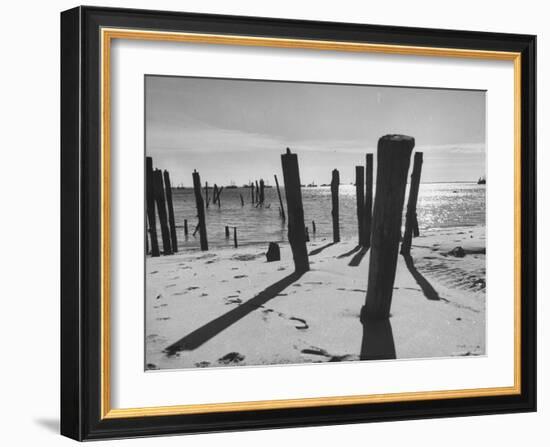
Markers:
(482, 181)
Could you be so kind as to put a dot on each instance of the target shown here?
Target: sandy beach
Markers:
(230, 306)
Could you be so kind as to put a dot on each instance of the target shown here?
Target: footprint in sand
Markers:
(163, 318)
(192, 288)
(300, 320)
(152, 273)
(231, 358)
(240, 276)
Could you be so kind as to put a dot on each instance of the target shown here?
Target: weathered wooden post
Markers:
(160, 200)
(334, 186)
(416, 231)
(200, 210)
(394, 154)
(367, 226)
(314, 228)
(262, 196)
(410, 218)
(150, 195)
(360, 199)
(307, 234)
(242, 200)
(171, 218)
(226, 231)
(252, 192)
(214, 194)
(296, 227)
(218, 197)
(257, 192)
(281, 209)
(235, 237)
(185, 228)
(206, 194)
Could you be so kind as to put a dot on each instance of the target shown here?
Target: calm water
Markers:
(439, 205)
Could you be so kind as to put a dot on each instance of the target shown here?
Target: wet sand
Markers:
(230, 307)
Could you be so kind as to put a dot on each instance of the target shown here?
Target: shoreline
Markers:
(229, 307)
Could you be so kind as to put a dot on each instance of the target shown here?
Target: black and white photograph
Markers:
(294, 222)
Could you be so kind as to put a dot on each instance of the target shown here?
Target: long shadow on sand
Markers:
(349, 253)
(427, 288)
(377, 341)
(320, 249)
(213, 328)
(356, 260)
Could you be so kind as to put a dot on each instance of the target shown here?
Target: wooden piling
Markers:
(307, 234)
(242, 200)
(410, 218)
(313, 227)
(160, 200)
(257, 192)
(171, 218)
(367, 225)
(281, 209)
(262, 194)
(150, 197)
(416, 231)
(296, 227)
(218, 197)
(252, 192)
(200, 210)
(214, 194)
(206, 194)
(235, 237)
(360, 202)
(393, 159)
(226, 231)
(185, 228)
(334, 186)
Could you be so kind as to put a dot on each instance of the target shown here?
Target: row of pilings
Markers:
(379, 219)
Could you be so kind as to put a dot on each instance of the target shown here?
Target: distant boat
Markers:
(232, 185)
(312, 185)
(482, 181)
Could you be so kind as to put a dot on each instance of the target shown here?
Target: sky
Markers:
(236, 130)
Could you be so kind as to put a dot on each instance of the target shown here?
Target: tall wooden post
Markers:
(214, 194)
(206, 193)
(235, 237)
(158, 189)
(282, 209)
(334, 186)
(185, 227)
(367, 226)
(252, 192)
(394, 154)
(171, 218)
(296, 227)
(410, 218)
(150, 195)
(200, 210)
(257, 192)
(262, 196)
(242, 200)
(226, 231)
(360, 202)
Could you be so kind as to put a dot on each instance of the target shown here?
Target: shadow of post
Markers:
(377, 341)
(320, 249)
(356, 260)
(427, 288)
(210, 330)
(349, 253)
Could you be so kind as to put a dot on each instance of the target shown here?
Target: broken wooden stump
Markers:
(273, 252)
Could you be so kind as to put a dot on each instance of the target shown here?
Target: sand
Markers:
(230, 307)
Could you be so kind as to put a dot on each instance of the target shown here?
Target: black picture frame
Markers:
(81, 223)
